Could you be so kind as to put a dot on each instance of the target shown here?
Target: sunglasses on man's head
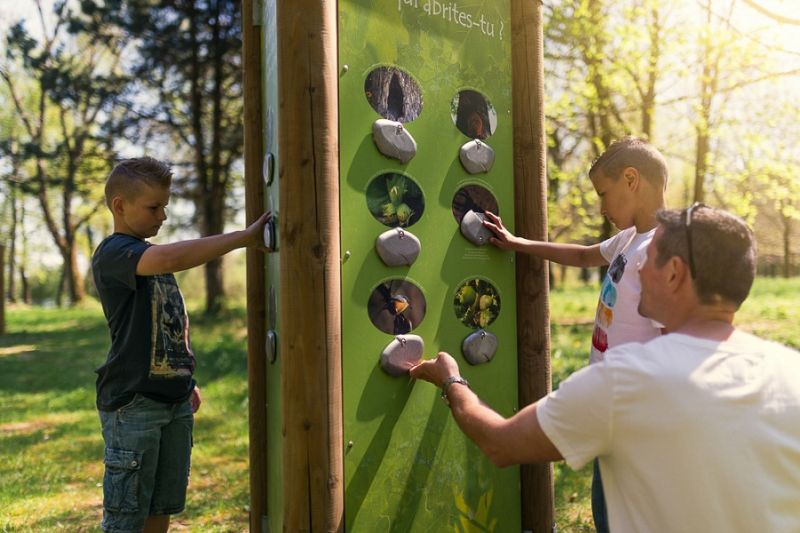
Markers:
(689, 211)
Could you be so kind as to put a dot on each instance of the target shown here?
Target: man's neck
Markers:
(708, 322)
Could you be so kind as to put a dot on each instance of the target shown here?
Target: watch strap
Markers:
(449, 381)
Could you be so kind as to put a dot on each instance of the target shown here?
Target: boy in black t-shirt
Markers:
(146, 395)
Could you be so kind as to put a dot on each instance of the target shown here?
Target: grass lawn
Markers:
(50, 443)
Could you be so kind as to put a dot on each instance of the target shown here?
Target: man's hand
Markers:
(503, 238)
(195, 399)
(437, 370)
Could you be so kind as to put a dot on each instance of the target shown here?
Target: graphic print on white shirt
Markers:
(617, 320)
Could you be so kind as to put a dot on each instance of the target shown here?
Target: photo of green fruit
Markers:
(395, 200)
(476, 303)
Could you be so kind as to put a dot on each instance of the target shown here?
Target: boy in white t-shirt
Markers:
(630, 178)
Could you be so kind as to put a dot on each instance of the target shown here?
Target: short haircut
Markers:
(632, 152)
(128, 175)
(723, 251)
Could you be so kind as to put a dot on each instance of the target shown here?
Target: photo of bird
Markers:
(396, 307)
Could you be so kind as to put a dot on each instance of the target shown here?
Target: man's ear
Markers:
(677, 272)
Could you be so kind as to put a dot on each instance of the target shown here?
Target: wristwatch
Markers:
(449, 381)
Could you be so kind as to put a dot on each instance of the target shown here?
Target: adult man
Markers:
(697, 430)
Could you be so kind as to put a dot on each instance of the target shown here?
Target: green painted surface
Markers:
(274, 415)
(409, 468)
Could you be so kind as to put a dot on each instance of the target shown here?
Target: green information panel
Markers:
(426, 148)
(271, 201)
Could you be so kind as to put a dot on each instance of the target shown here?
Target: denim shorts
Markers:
(147, 457)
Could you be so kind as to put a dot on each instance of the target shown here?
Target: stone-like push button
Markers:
(401, 354)
(271, 346)
(479, 347)
(473, 229)
(271, 235)
(393, 140)
(397, 247)
(476, 156)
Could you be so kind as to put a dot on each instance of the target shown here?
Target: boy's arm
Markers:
(565, 254)
(167, 258)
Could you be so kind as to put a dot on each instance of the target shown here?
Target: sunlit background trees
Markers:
(713, 83)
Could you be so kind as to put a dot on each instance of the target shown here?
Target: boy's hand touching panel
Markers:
(255, 232)
(502, 237)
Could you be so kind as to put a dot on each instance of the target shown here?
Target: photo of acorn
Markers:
(395, 200)
(477, 303)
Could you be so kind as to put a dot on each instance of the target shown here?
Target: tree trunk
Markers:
(649, 96)
(2, 290)
(787, 246)
(214, 203)
(12, 234)
(25, 287)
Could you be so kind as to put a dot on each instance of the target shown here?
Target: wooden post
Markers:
(308, 234)
(533, 317)
(256, 300)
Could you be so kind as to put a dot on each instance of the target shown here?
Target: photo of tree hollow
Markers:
(393, 94)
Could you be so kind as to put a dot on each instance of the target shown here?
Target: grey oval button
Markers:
(268, 168)
(393, 140)
(401, 354)
(271, 346)
(397, 247)
(271, 235)
(476, 156)
(473, 229)
(134, 464)
(479, 347)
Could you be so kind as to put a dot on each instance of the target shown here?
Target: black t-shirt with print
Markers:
(150, 350)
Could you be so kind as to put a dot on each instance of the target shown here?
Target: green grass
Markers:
(50, 443)
(51, 470)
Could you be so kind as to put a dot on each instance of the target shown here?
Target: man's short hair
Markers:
(723, 251)
(632, 152)
(129, 174)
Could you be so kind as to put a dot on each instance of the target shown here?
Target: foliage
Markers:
(62, 90)
(186, 94)
(49, 434)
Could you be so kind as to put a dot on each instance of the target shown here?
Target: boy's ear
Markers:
(117, 205)
(632, 177)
